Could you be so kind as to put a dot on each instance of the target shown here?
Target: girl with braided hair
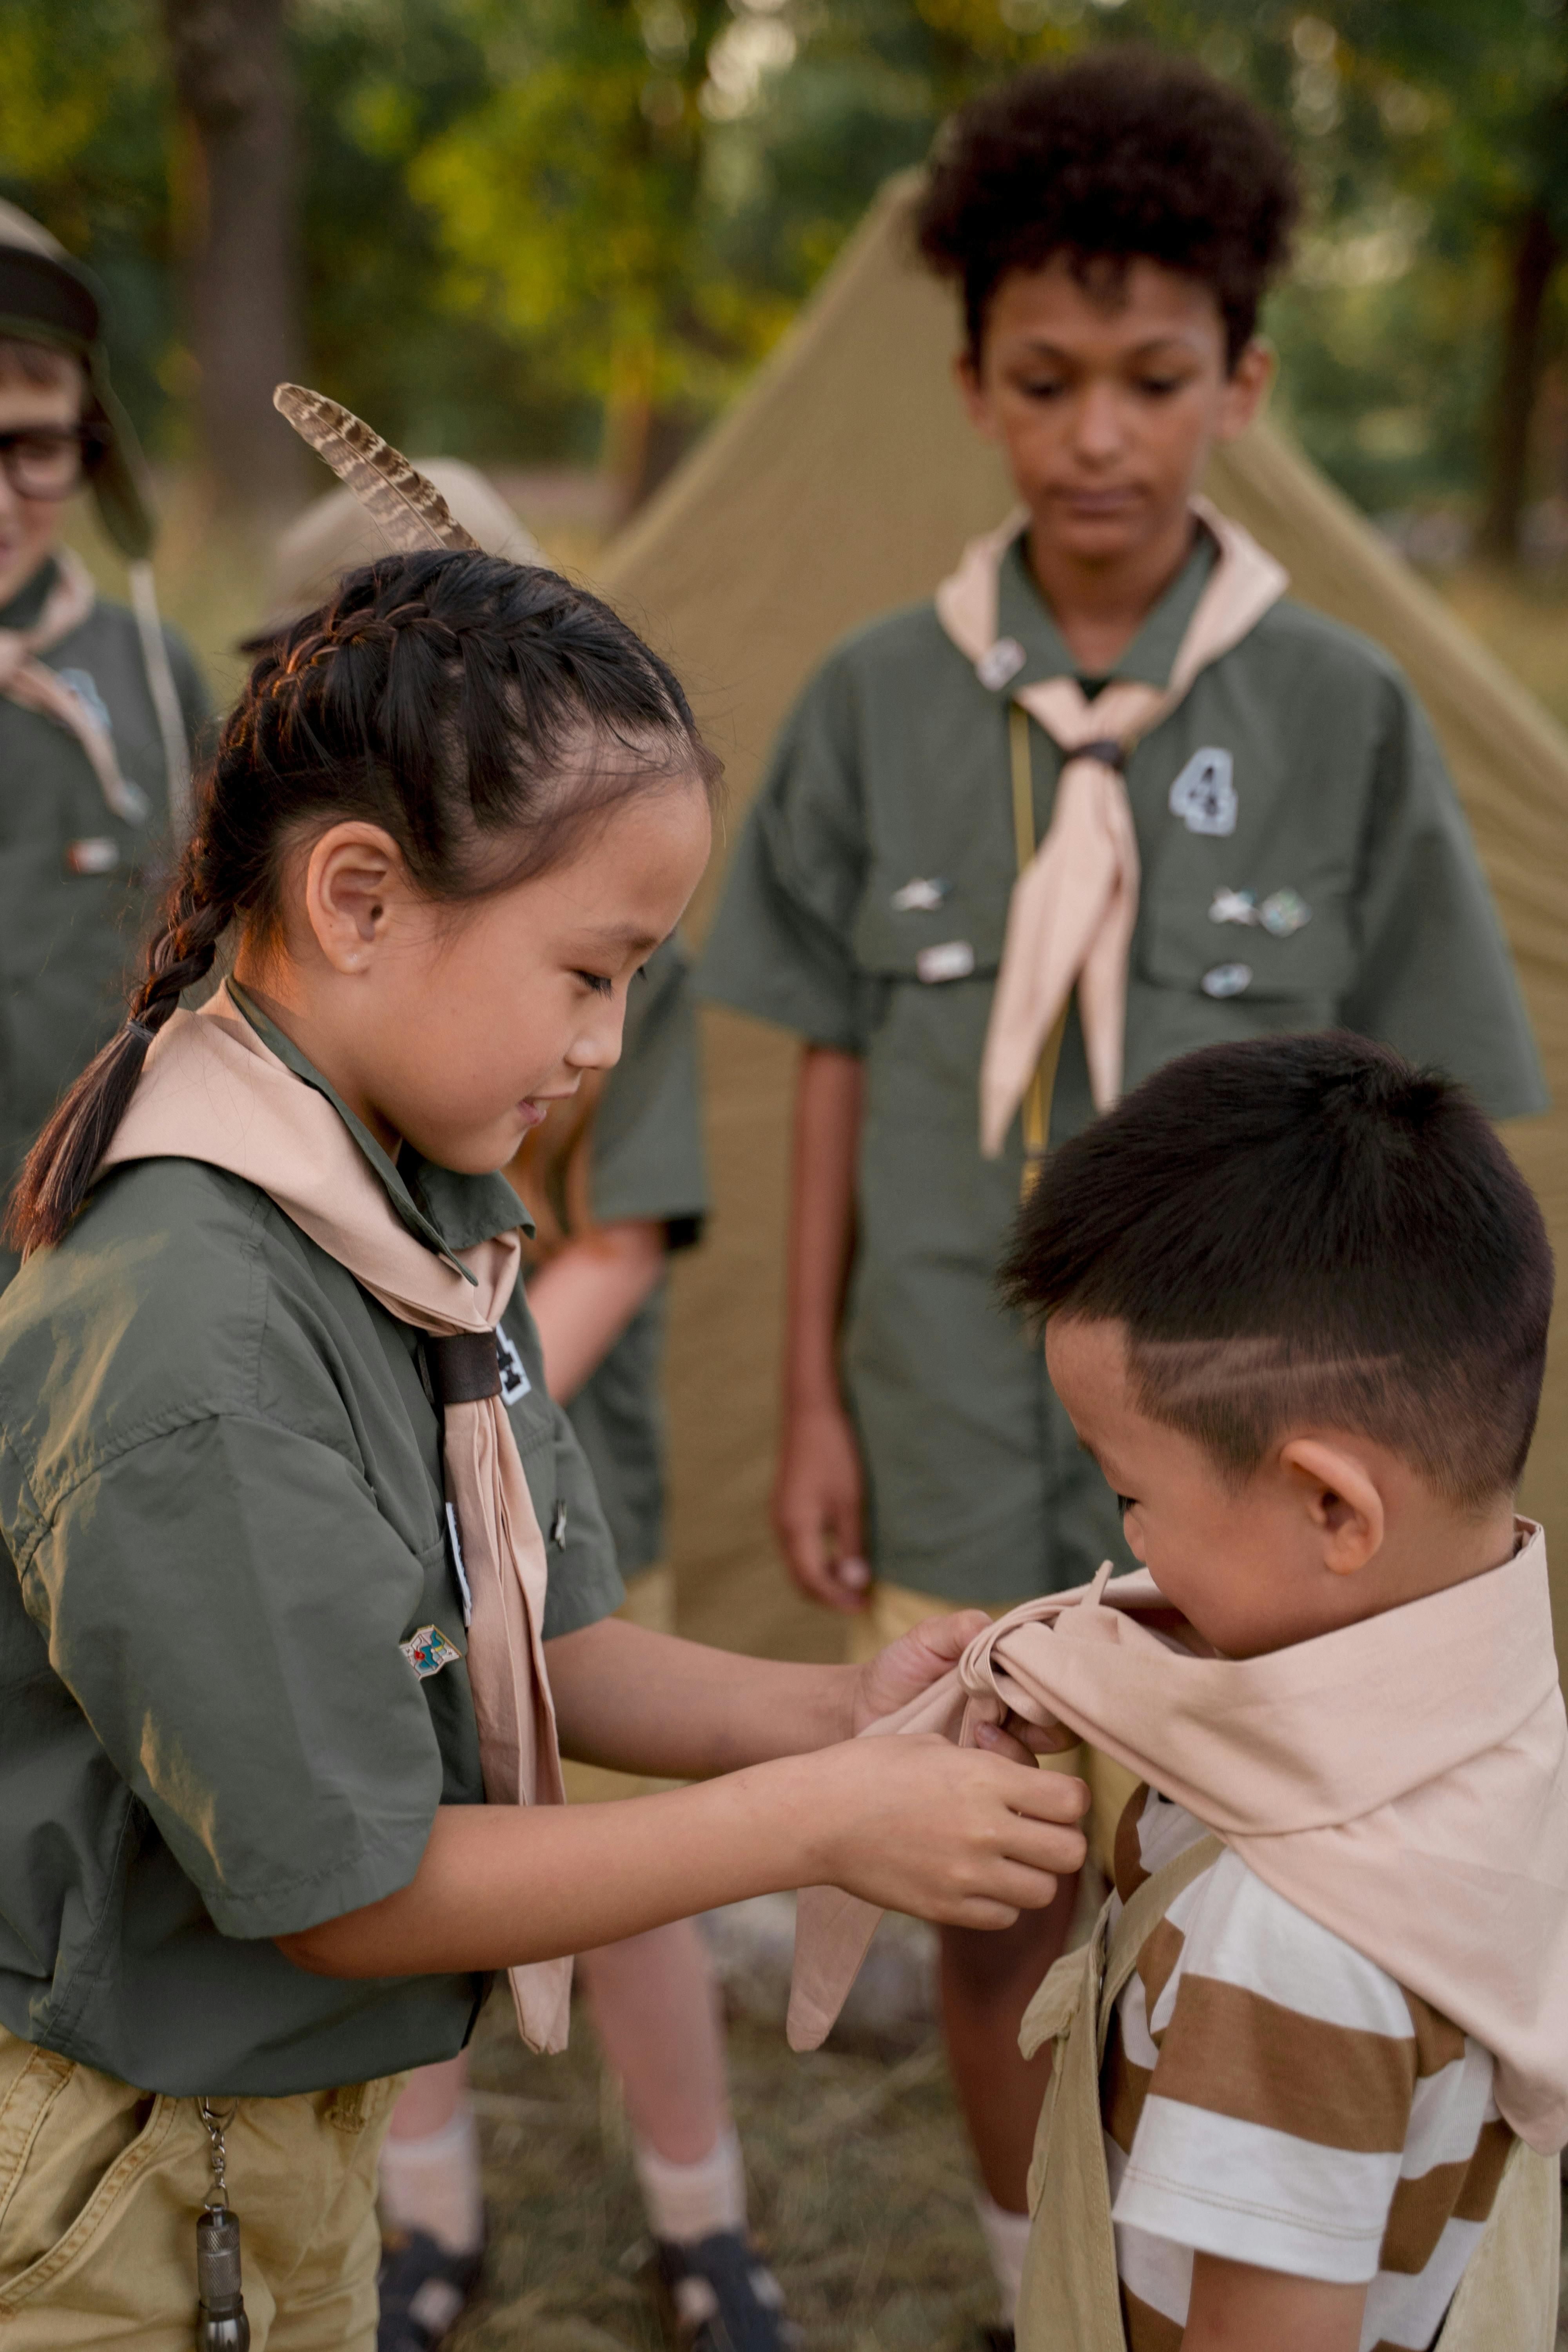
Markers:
(312, 1585)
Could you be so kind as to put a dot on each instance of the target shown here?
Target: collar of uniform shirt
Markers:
(1023, 614)
(446, 1211)
(30, 599)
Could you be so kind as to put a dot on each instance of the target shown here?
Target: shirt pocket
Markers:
(1264, 928)
(931, 928)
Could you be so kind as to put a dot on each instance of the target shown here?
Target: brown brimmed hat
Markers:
(48, 298)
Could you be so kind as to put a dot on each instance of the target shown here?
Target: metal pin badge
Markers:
(1233, 906)
(920, 896)
(1000, 664)
(1284, 913)
(953, 960)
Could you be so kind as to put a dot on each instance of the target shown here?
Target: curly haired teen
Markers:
(1109, 796)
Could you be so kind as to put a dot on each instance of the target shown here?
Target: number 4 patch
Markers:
(1203, 795)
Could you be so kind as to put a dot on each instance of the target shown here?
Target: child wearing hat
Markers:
(1109, 796)
(99, 705)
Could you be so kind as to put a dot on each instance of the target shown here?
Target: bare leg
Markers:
(656, 2015)
(432, 2098)
(430, 2184)
(987, 1982)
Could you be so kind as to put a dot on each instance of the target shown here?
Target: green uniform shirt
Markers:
(74, 878)
(220, 1484)
(1299, 771)
(647, 1161)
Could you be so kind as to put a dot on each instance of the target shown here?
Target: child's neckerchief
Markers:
(1403, 1781)
(32, 684)
(1073, 906)
(212, 1090)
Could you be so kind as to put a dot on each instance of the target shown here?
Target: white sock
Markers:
(1006, 2235)
(432, 2184)
(686, 2202)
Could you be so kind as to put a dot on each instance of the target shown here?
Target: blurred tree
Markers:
(233, 83)
(84, 134)
(538, 227)
(573, 205)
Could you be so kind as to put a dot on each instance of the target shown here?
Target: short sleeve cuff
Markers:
(1252, 2194)
(288, 1905)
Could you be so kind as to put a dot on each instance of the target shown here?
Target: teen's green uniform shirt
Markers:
(220, 1486)
(646, 1163)
(75, 878)
(1309, 794)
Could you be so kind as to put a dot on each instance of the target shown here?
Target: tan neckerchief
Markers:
(25, 680)
(1074, 905)
(1403, 1781)
(212, 1090)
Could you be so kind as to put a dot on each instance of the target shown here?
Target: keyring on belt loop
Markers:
(216, 2121)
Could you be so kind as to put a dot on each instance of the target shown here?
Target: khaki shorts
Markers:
(99, 2189)
(892, 1609)
(650, 1603)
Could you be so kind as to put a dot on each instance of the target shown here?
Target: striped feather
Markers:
(411, 511)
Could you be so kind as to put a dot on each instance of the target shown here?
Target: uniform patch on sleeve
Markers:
(428, 1651)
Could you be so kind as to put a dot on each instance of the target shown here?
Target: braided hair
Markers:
(466, 706)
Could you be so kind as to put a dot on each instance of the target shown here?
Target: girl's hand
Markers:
(952, 1834)
(816, 1506)
(911, 1664)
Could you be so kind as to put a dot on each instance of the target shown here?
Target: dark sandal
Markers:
(424, 2291)
(719, 2295)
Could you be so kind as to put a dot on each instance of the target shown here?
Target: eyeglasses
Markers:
(50, 461)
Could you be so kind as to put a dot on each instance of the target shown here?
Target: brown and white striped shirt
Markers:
(1271, 2096)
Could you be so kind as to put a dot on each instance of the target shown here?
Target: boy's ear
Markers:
(1342, 1499)
(1245, 389)
(972, 391)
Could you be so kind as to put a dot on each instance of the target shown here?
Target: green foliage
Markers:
(85, 146)
(519, 216)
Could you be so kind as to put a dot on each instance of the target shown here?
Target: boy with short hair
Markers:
(1109, 796)
(98, 705)
(1310, 2071)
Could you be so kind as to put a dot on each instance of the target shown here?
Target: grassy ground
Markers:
(860, 2191)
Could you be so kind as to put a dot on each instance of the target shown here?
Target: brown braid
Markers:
(466, 706)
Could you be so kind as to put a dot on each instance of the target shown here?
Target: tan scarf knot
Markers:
(1073, 908)
(1403, 1781)
(34, 686)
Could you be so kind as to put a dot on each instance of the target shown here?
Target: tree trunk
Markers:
(1537, 252)
(232, 82)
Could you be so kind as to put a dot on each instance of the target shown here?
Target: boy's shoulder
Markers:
(112, 629)
(1227, 1925)
(894, 647)
(1296, 641)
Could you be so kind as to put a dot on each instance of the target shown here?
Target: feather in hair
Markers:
(411, 511)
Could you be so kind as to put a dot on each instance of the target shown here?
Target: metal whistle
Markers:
(221, 2323)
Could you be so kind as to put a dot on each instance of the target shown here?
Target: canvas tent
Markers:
(844, 484)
